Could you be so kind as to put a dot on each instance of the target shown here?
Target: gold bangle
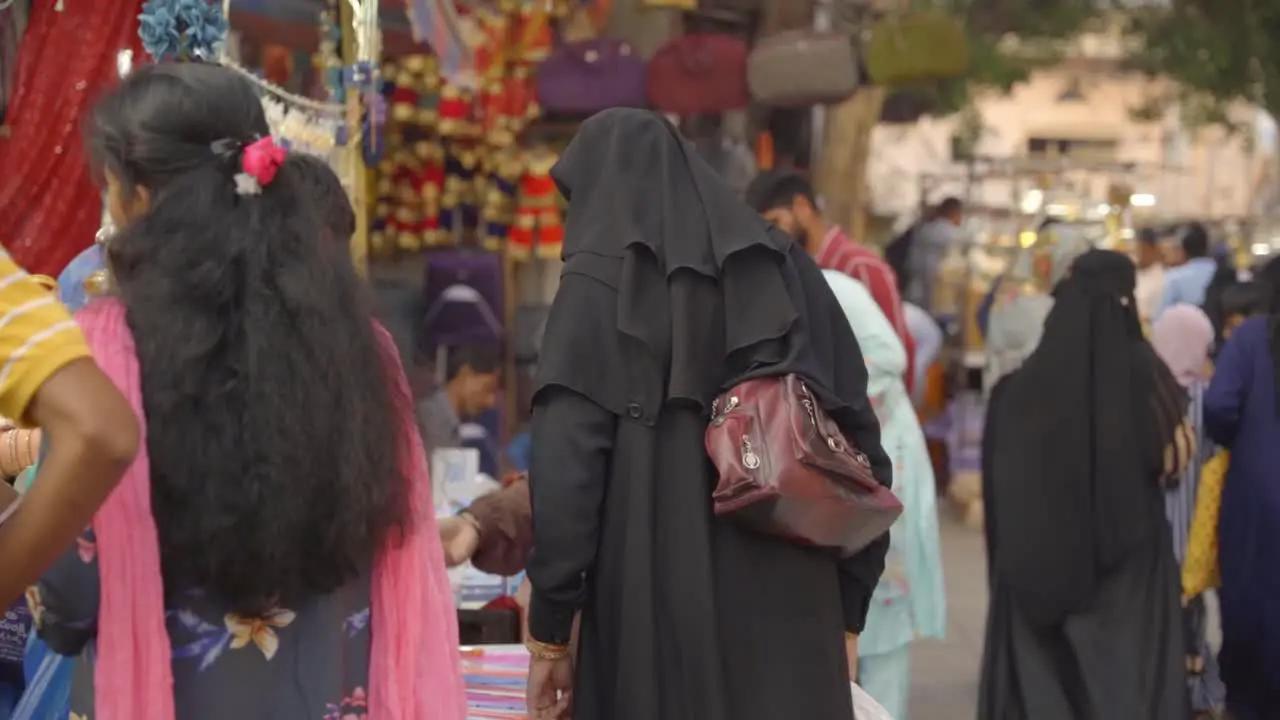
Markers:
(13, 453)
(31, 453)
(546, 651)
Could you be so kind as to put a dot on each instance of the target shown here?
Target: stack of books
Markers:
(495, 676)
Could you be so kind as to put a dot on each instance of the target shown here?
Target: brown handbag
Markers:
(787, 470)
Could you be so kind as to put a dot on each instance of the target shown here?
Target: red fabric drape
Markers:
(49, 205)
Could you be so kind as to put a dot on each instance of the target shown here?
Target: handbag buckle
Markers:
(718, 415)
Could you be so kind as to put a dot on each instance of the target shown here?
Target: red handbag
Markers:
(787, 470)
(699, 73)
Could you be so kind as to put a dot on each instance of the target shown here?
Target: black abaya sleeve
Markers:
(858, 577)
(840, 362)
(572, 438)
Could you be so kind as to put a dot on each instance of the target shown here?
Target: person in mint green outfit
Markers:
(910, 601)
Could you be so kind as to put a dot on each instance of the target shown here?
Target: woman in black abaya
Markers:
(1084, 621)
(673, 290)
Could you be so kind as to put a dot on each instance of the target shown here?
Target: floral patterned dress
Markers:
(909, 602)
(304, 663)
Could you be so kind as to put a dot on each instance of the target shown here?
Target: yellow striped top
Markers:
(37, 338)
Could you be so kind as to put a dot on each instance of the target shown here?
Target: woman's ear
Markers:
(139, 202)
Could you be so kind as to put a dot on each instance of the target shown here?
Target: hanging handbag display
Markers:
(461, 299)
(699, 73)
(916, 47)
(592, 75)
(786, 469)
(800, 68)
(744, 7)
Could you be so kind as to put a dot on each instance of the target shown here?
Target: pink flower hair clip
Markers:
(260, 160)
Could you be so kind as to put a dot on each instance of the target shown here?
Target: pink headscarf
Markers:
(1182, 337)
(414, 671)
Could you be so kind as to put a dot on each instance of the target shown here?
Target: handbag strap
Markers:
(463, 295)
(835, 444)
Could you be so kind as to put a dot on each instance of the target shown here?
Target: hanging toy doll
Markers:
(454, 112)
(533, 31)
(427, 71)
(472, 190)
(404, 95)
(495, 125)
(521, 99)
(431, 180)
(537, 216)
(502, 173)
(458, 209)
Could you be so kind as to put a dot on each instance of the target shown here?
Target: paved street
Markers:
(945, 674)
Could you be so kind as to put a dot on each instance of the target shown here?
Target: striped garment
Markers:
(37, 338)
(1180, 498)
(838, 252)
(1206, 689)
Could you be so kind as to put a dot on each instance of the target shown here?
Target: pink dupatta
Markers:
(414, 671)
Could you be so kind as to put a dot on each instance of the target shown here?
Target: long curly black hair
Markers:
(272, 430)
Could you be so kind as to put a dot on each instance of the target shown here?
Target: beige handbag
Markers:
(685, 5)
(801, 67)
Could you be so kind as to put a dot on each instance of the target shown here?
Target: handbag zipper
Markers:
(750, 460)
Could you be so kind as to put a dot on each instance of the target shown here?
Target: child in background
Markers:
(1183, 337)
(1239, 302)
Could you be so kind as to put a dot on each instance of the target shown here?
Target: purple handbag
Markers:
(462, 299)
(592, 75)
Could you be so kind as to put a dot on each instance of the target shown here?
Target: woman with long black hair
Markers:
(1242, 414)
(1084, 622)
(272, 553)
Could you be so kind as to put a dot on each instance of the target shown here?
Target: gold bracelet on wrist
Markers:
(13, 461)
(546, 651)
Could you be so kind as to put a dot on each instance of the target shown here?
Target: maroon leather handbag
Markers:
(787, 470)
(699, 73)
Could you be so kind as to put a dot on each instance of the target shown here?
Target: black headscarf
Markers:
(1223, 280)
(1080, 439)
(708, 292)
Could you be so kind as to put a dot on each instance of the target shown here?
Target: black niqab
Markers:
(672, 290)
(640, 196)
(1085, 423)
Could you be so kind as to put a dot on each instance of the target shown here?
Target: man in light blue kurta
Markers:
(1187, 282)
(910, 601)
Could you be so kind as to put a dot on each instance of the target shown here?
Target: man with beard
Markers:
(787, 199)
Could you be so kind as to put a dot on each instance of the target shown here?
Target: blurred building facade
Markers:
(1069, 137)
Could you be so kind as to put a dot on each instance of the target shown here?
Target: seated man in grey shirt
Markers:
(472, 378)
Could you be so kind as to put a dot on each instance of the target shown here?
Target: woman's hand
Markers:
(550, 691)
(460, 536)
(851, 650)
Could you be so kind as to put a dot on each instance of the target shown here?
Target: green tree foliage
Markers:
(1219, 51)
